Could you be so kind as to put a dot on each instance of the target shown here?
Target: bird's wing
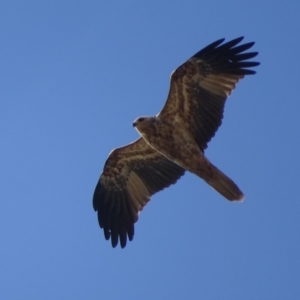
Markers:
(200, 87)
(130, 176)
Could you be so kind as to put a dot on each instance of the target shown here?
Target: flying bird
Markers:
(174, 140)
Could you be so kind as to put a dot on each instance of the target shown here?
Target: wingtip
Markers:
(238, 39)
(97, 195)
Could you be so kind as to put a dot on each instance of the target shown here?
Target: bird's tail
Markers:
(224, 185)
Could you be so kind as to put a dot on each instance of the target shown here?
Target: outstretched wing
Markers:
(131, 175)
(200, 87)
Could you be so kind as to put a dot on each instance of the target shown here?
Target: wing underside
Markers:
(131, 175)
(200, 87)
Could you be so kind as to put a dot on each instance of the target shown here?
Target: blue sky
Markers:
(74, 75)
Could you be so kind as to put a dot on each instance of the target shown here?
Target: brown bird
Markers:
(174, 140)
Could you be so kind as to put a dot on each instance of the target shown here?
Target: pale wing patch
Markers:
(219, 84)
(137, 191)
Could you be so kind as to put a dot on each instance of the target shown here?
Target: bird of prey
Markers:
(174, 140)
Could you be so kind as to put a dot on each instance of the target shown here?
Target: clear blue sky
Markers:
(73, 77)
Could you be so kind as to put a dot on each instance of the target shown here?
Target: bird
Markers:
(173, 141)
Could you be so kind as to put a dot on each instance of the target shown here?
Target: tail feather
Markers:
(224, 185)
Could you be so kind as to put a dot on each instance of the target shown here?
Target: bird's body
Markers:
(173, 141)
(180, 147)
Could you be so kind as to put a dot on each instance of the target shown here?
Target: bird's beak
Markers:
(134, 124)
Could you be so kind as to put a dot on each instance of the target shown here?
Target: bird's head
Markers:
(141, 124)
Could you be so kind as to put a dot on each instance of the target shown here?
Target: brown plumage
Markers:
(173, 141)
